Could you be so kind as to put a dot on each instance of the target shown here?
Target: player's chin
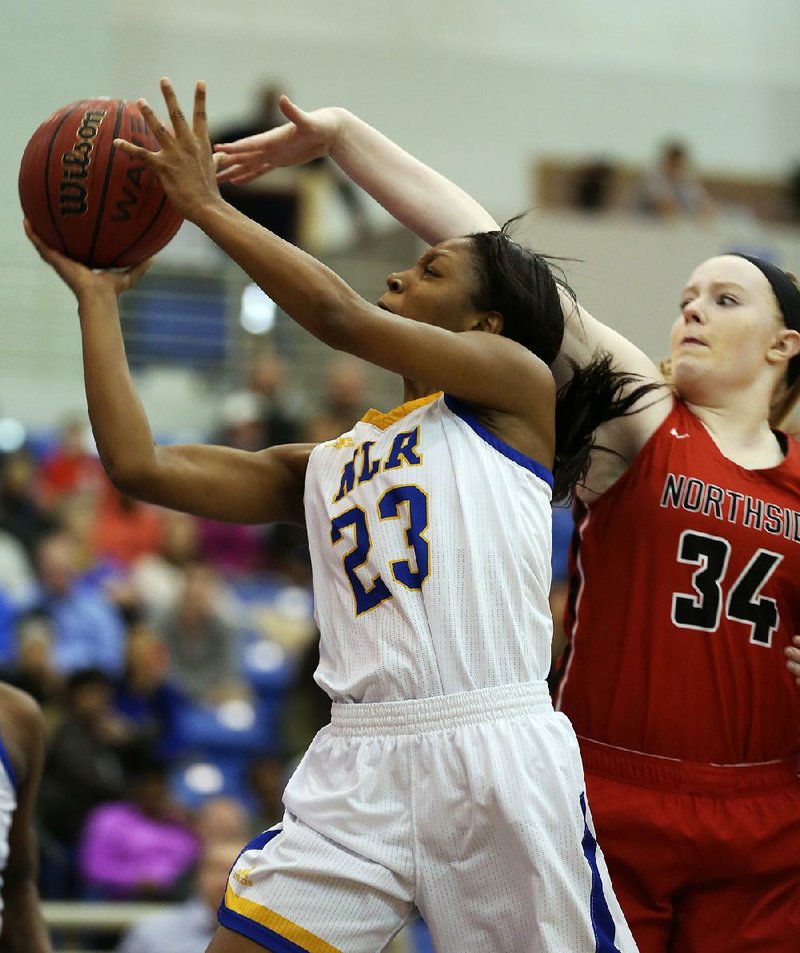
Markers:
(692, 378)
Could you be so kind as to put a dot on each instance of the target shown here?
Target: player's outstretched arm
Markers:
(417, 196)
(23, 732)
(422, 199)
(488, 370)
(215, 482)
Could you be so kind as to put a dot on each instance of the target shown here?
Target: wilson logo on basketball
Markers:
(75, 165)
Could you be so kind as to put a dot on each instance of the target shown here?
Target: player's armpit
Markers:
(584, 336)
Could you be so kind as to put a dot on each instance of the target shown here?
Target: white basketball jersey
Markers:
(430, 543)
(8, 804)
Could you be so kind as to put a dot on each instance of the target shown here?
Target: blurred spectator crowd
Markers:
(173, 656)
(669, 187)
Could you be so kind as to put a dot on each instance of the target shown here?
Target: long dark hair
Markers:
(521, 285)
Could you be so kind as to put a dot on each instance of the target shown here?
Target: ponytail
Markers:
(594, 395)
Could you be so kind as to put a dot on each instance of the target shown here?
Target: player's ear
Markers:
(785, 346)
(491, 321)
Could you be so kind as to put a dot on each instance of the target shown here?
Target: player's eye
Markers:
(726, 300)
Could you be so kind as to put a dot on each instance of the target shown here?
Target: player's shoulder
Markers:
(18, 702)
(21, 718)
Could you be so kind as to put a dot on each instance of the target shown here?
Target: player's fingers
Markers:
(37, 243)
(199, 115)
(68, 270)
(241, 173)
(154, 124)
(132, 149)
(137, 271)
(224, 160)
(793, 659)
(225, 175)
(247, 144)
(176, 115)
(248, 175)
(226, 164)
(30, 232)
(48, 254)
(292, 112)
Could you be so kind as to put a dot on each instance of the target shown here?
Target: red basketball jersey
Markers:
(685, 589)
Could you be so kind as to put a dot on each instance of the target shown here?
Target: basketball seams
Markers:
(50, 145)
(150, 224)
(90, 230)
(106, 182)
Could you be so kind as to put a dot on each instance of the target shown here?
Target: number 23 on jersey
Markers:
(408, 503)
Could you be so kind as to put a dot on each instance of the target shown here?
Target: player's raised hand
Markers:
(80, 278)
(306, 136)
(183, 164)
(793, 659)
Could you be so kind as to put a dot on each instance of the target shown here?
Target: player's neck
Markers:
(745, 438)
(413, 390)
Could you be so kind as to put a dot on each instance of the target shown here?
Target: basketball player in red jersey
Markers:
(685, 593)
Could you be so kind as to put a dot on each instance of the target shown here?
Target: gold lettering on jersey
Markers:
(361, 468)
(243, 876)
(708, 499)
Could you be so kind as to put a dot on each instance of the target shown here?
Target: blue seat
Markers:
(235, 726)
(196, 780)
(267, 667)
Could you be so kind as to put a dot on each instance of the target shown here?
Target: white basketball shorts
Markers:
(469, 808)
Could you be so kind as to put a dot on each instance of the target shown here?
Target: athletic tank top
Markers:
(8, 804)
(430, 546)
(685, 589)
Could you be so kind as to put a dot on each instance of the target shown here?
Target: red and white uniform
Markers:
(685, 591)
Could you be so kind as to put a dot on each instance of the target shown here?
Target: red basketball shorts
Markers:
(703, 858)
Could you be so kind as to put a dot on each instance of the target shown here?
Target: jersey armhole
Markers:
(457, 407)
(676, 412)
(5, 760)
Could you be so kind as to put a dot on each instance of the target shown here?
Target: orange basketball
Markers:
(88, 199)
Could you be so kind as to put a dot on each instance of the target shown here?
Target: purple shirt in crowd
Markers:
(122, 848)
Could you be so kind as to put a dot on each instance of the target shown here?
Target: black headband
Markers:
(788, 295)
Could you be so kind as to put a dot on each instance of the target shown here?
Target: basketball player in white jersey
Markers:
(21, 760)
(445, 783)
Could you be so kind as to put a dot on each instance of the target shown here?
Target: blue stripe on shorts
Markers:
(262, 935)
(602, 920)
